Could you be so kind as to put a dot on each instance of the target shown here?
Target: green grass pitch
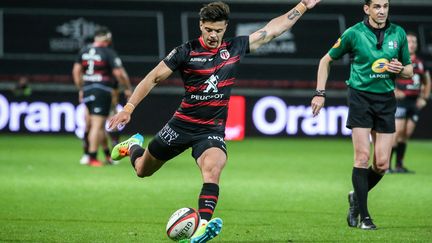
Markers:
(272, 190)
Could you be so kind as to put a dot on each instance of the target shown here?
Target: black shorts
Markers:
(407, 109)
(98, 99)
(371, 110)
(177, 136)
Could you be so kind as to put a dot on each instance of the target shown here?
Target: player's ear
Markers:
(201, 26)
(366, 9)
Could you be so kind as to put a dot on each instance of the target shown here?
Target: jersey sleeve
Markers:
(114, 60)
(404, 55)
(241, 43)
(342, 46)
(176, 57)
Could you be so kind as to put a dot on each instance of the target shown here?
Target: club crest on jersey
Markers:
(212, 83)
(393, 44)
(224, 54)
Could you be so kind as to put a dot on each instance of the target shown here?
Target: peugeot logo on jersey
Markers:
(212, 83)
(224, 54)
(380, 65)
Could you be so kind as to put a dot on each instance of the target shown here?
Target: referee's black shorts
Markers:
(371, 110)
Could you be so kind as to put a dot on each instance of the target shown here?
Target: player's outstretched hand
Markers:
(119, 120)
(316, 104)
(310, 3)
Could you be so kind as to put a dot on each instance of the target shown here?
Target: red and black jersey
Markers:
(208, 75)
(98, 63)
(412, 87)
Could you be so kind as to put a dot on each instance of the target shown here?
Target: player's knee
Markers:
(142, 174)
(381, 164)
(381, 167)
(362, 157)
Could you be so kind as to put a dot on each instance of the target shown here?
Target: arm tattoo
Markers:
(293, 14)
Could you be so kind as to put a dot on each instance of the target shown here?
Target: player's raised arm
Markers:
(279, 25)
(159, 73)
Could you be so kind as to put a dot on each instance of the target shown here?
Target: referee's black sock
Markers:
(135, 151)
(360, 184)
(207, 200)
(373, 178)
(400, 154)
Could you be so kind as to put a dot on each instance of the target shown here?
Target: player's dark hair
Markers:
(368, 2)
(215, 11)
(412, 33)
(102, 31)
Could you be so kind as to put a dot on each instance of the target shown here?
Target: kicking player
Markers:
(380, 54)
(207, 66)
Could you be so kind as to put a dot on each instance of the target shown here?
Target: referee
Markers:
(379, 54)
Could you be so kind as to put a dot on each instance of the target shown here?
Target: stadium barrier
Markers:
(49, 112)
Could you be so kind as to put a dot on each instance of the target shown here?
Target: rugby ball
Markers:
(182, 224)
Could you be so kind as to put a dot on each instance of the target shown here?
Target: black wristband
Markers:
(320, 92)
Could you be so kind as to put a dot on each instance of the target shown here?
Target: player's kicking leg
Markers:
(121, 150)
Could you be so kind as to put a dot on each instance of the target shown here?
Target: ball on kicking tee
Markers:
(182, 224)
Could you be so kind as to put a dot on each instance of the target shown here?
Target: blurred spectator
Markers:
(22, 88)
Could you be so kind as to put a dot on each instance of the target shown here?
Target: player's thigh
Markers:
(212, 158)
(361, 144)
(97, 121)
(382, 149)
(401, 125)
(410, 127)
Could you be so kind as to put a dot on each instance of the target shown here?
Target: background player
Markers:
(207, 66)
(412, 95)
(95, 73)
(380, 53)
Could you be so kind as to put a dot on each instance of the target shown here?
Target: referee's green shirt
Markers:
(368, 67)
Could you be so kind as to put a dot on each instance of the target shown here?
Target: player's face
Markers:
(213, 32)
(377, 11)
(412, 44)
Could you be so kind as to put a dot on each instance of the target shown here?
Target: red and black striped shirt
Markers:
(208, 75)
(412, 87)
(98, 63)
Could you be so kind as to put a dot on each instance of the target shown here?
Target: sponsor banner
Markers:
(46, 112)
(276, 116)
